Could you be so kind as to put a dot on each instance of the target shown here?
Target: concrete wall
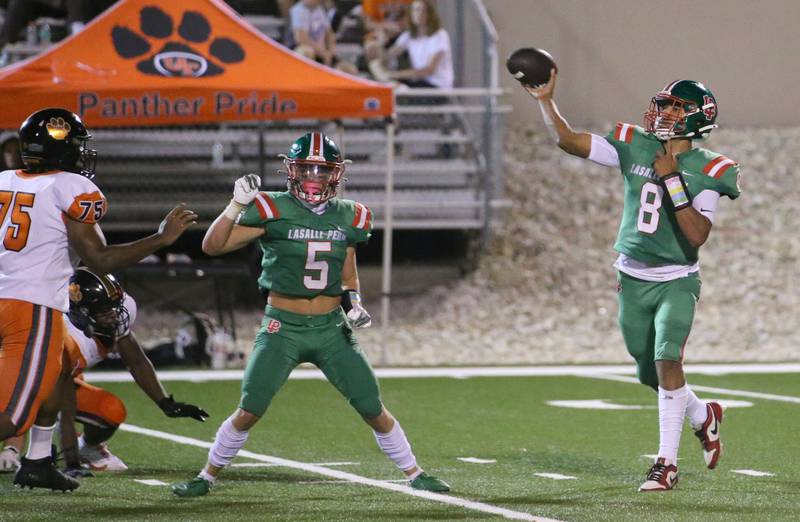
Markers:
(613, 55)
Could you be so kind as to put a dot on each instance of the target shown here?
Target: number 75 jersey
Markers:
(34, 256)
(649, 231)
(304, 252)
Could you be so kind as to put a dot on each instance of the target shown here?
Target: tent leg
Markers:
(262, 157)
(388, 223)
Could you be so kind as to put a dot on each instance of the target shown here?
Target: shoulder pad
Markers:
(624, 132)
(717, 167)
(266, 206)
(363, 217)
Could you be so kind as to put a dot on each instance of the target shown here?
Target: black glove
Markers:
(77, 472)
(181, 409)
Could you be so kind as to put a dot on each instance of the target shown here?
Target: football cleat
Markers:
(663, 475)
(708, 433)
(197, 487)
(42, 473)
(98, 458)
(427, 482)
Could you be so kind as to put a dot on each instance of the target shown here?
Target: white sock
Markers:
(696, 410)
(207, 476)
(40, 439)
(226, 445)
(671, 409)
(395, 446)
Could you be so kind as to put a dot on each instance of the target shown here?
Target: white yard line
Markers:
(458, 373)
(753, 473)
(711, 389)
(556, 476)
(349, 477)
(151, 482)
(475, 460)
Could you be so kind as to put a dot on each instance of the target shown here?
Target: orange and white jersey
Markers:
(84, 352)
(34, 258)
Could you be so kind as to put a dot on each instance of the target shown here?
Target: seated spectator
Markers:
(9, 145)
(384, 21)
(428, 48)
(313, 37)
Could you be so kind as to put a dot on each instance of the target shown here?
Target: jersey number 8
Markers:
(650, 201)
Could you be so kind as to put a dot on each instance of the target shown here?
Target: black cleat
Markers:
(42, 473)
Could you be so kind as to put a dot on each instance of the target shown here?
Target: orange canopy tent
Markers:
(150, 62)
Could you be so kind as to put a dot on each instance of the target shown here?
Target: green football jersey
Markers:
(303, 253)
(649, 231)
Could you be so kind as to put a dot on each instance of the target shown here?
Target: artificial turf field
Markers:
(505, 421)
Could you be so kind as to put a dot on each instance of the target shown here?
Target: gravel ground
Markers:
(545, 292)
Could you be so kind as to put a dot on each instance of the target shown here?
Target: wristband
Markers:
(675, 186)
(233, 210)
(350, 298)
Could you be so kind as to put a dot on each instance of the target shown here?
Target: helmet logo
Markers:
(75, 294)
(58, 129)
(709, 107)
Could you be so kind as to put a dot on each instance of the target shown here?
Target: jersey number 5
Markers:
(317, 265)
(16, 236)
(650, 202)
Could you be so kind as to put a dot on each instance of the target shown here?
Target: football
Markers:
(531, 66)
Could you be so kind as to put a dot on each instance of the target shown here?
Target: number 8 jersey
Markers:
(303, 252)
(649, 231)
(34, 256)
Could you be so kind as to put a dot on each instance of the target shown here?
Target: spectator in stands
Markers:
(313, 37)
(20, 13)
(384, 21)
(428, 48)
(9, 145)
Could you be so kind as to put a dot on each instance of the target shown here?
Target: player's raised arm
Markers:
(224, 235)
(575, 143)
(89, 243)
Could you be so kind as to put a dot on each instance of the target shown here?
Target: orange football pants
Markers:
(98, 406)
(31, 345)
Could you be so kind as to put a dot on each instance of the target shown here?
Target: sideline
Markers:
(459, 372)
(349, 477)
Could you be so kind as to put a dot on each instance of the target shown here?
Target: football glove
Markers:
(356, 315)
(181, 409)
(245, 189)
(9, 459)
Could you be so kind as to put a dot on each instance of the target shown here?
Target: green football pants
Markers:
(655, 319)
(287, 339)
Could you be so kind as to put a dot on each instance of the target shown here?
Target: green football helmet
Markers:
(315, 167)
(682, 109)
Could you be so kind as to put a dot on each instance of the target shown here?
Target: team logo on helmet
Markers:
(709, 107)
(58, 129)
(75, 294)
(177, 57)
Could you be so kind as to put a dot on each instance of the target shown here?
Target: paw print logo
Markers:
(176, 56)
(75, 294)
(58, 129)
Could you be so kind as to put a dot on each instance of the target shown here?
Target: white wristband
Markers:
(233, 210)
(548, 122)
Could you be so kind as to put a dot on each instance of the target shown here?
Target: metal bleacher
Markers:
(437, 170)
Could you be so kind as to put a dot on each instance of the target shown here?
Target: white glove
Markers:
(9, 459)
(245, 189)
(357, 316)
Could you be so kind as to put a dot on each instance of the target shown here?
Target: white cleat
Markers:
(708, 433)
(99, 458)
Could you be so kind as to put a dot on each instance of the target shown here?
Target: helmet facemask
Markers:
(312, 181)
(111, 322)
(87, 158)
